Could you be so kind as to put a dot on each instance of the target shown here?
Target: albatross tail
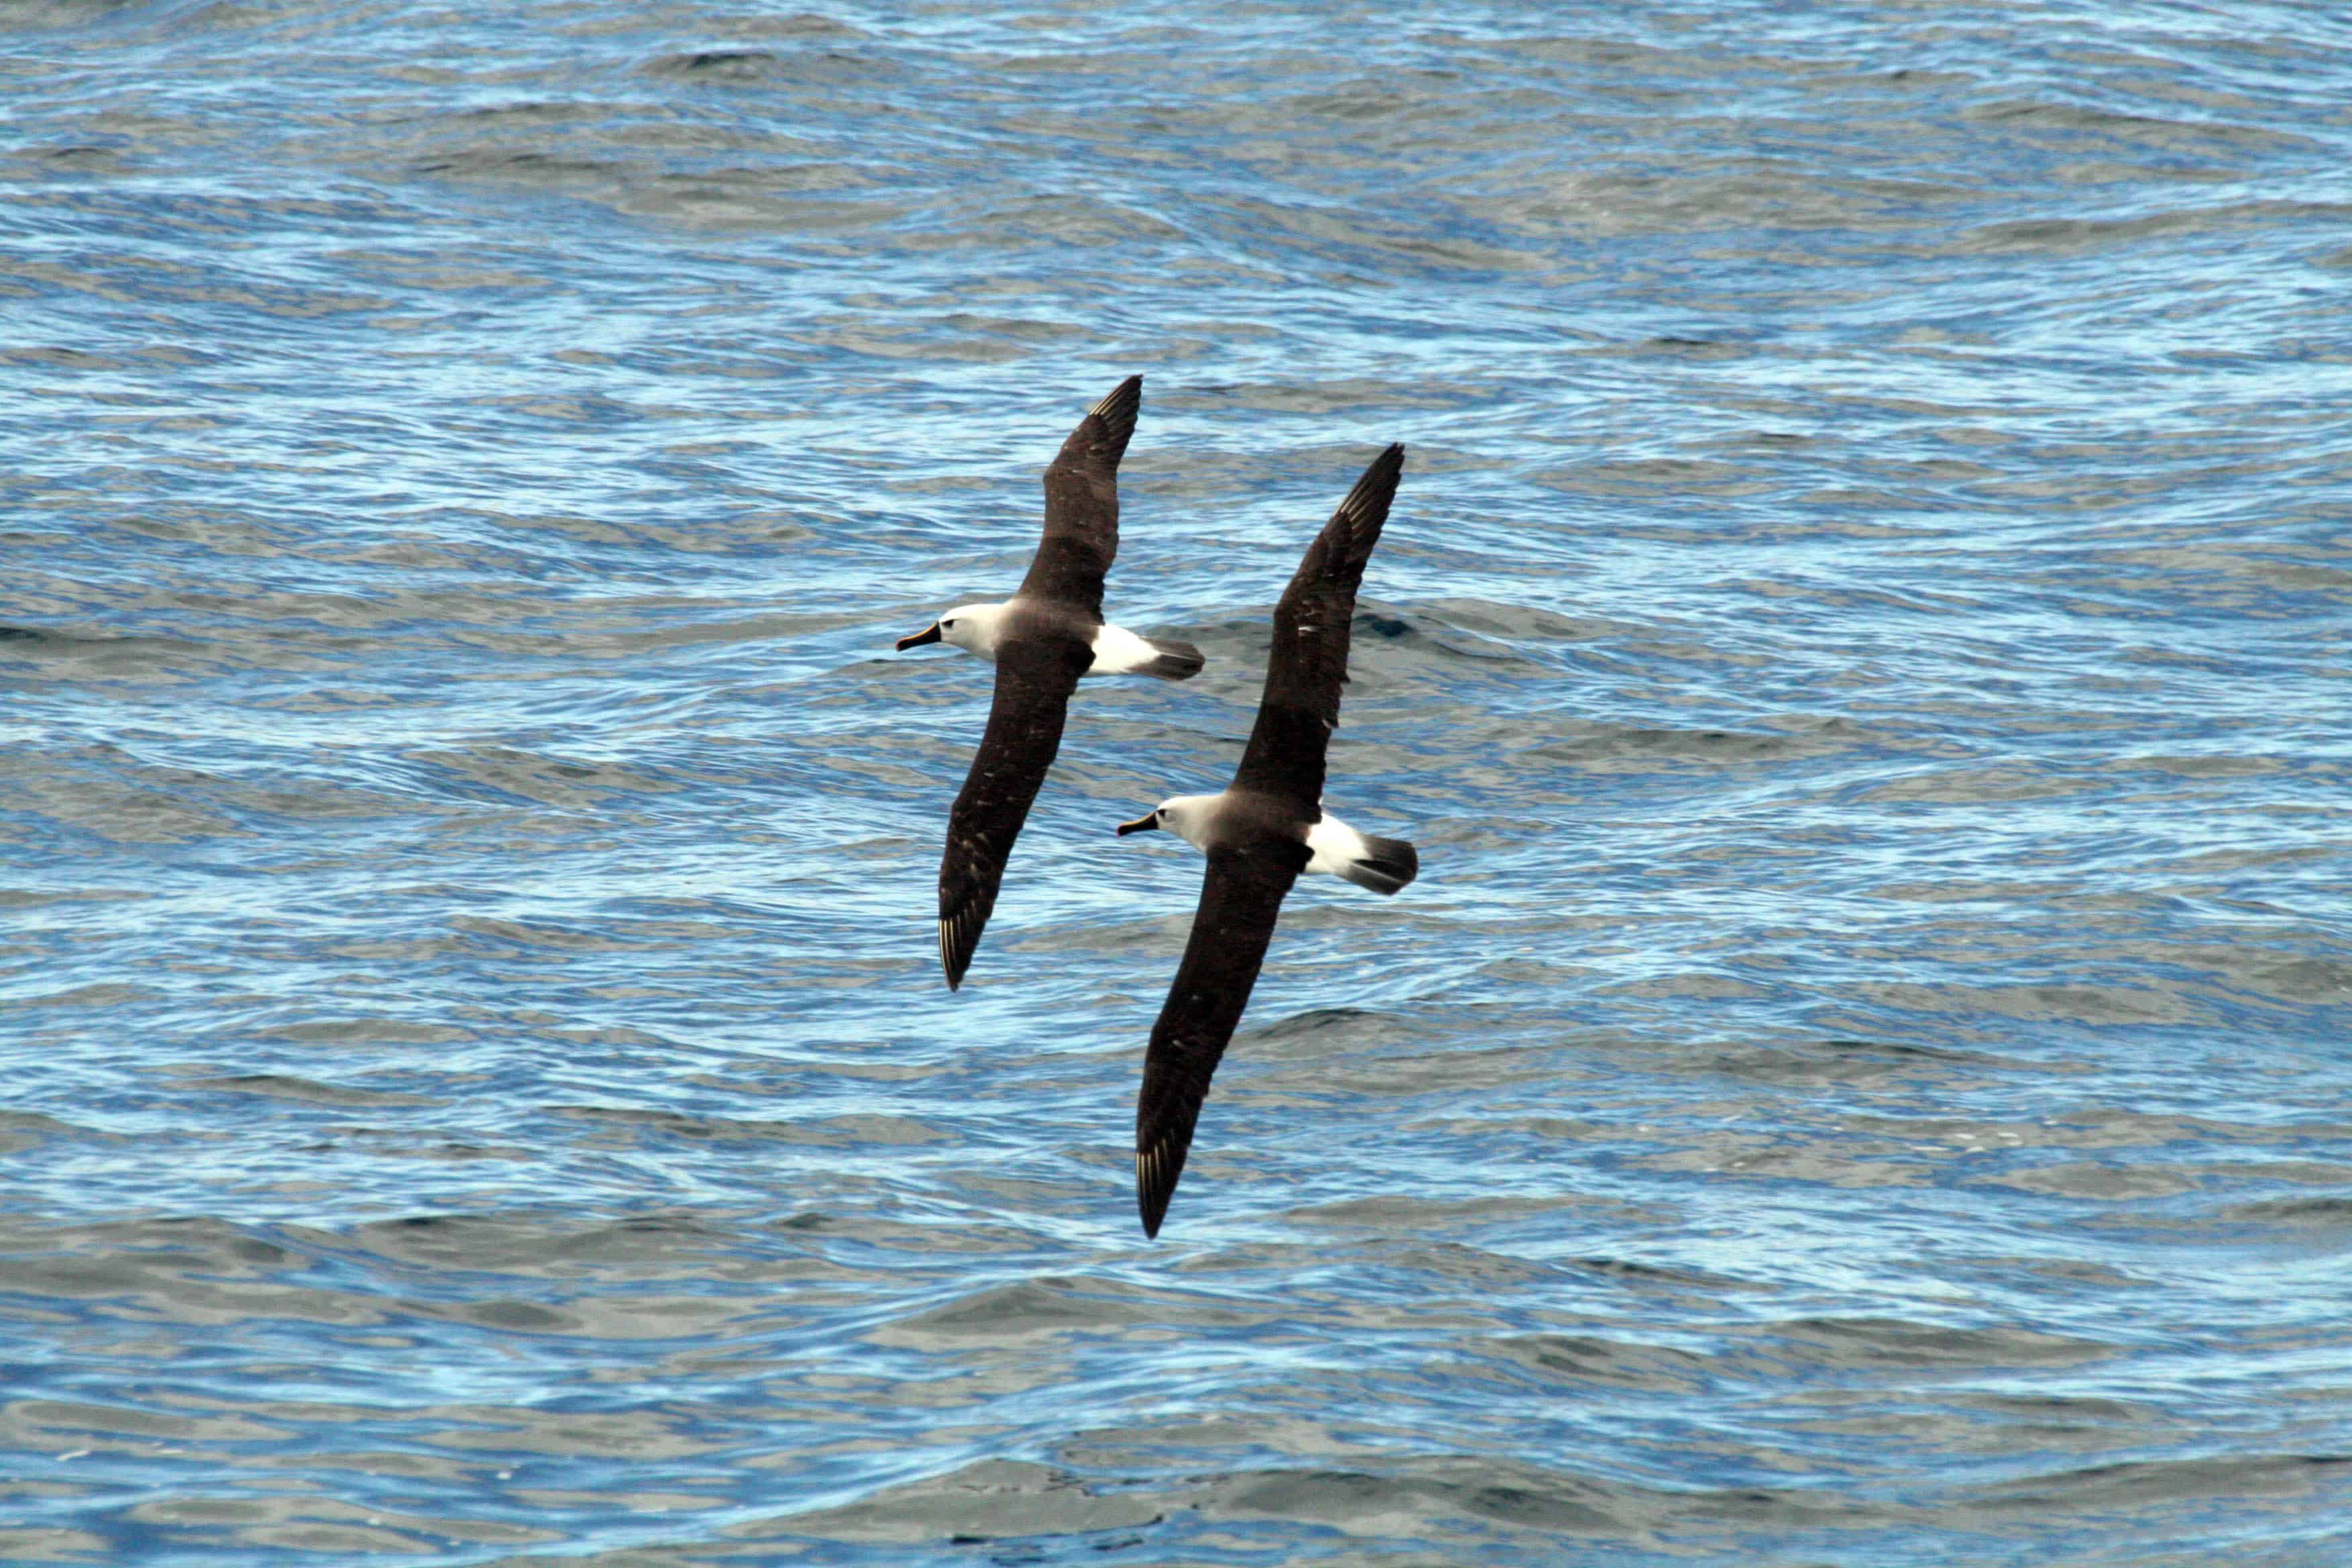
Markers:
(1384, 865)
(1387, 865)
(1119, 651)
(1174, 660)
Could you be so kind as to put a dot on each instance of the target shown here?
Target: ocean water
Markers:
(1861, 647)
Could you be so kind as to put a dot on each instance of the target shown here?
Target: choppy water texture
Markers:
(1862, 649)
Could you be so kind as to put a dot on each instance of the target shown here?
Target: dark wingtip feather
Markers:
(955, 952)
(1155, 1170)
(1367, 506)
(1117, 412)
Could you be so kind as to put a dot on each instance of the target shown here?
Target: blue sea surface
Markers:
(1865, 1077)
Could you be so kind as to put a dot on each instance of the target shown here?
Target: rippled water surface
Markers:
(1861, 648)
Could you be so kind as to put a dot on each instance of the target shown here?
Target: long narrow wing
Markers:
(1240, 898)
(1309, 660)
(1033, 683)
(1082, 504)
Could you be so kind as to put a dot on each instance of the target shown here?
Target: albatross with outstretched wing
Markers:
(1260, 833)
(1043, 640)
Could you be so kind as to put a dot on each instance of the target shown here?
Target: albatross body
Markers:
(1260, 834)
(1043, 641)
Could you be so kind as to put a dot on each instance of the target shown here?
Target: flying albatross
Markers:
(1265, 828)
(1050, 633)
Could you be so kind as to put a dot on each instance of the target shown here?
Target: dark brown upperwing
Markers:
(1240, 898)
(1082, 505)
(1309, 663)
(1035, 678)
